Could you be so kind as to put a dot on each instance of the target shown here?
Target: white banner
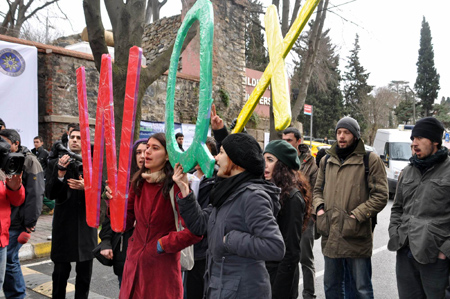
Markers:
(19, 90)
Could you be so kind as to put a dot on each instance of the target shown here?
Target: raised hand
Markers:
(14, 182)
(216, 121)
(181, 179)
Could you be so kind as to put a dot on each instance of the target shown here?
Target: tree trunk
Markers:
(295, 11)
(127, 21)
(309, 60)
(285, 18)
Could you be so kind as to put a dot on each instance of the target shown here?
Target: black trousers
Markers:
(195, 283)
(61, 273)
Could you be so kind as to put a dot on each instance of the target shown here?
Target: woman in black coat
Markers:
(240, 224)
(282, 168)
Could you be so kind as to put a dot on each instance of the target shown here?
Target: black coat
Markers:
(72, 239)
(42, 156)
(290, 221)
(118, 242)
(236, 268)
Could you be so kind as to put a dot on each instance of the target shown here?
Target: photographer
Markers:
(72, 239)
(23, 218)
(11, 193)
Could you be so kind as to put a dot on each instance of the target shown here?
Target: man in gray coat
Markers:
(419, 230)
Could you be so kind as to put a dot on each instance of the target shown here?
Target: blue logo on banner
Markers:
(11, 62)
(447, 137)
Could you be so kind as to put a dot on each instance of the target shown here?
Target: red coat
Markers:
(8, 198)
(148, 274)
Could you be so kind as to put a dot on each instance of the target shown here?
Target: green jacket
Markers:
(421, 213)
(347, 192)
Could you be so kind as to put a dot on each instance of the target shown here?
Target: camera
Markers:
(75, 161)
(10, 163)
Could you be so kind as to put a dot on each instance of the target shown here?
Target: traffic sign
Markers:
(307, 109)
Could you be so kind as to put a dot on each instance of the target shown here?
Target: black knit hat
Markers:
(284, 152)
(430, 128)
(245, 152)
(350, 124)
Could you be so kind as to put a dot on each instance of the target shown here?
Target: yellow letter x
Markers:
(275, 72)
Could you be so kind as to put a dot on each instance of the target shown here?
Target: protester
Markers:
(40, 152)
(72, 239)
(12, 193)
(54, 152)
(309, 169)
(194, 278)
(346, 199)
(114, 245)
(152, 268)
(180, 138)
(240, 224)
(282, 165)
(419, 230)
(24, 217)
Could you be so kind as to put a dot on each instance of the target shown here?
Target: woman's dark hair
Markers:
(137, 180)
(286, 178)
(134, 166)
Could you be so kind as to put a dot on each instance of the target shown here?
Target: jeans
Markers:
(2, 265)
(14, 285)
(343, 274)
(307, 260)
(415, 280)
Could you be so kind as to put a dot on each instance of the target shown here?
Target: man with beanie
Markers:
(345, 201)
(309, 168)
(419, 230)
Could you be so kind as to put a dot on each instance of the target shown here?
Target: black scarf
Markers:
(343, 153)
(424, 164)
(223, 188)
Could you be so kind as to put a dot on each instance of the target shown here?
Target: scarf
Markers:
(343, 153)
(223, 188)
(155, 177)
(424, 164)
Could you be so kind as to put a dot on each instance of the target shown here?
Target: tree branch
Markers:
(96, 31)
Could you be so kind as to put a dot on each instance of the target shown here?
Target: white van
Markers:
(394, 148)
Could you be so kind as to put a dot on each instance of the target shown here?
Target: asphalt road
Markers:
(105, 283)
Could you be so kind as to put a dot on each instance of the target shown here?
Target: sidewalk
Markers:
(38, 245)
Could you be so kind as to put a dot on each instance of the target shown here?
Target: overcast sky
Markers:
(389, 32)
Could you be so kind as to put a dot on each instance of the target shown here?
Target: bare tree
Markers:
(127, 20)
(153, 9)
(309, 60)
(376, 110)
(20, 11)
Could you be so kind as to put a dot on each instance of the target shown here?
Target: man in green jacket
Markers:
(419, 230)
(345, 201)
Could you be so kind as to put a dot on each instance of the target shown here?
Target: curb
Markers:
(30, 251)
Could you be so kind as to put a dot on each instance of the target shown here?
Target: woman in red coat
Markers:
(152, 268)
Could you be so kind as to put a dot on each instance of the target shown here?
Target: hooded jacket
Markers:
(236, 267)
(420, 215)
(346, 192)
(33, 180)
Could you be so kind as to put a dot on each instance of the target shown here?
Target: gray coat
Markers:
(236, 269)
(420, 215)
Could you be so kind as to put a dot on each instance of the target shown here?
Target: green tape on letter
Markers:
(198, 151)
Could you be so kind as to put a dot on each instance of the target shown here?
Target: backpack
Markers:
(366, 175)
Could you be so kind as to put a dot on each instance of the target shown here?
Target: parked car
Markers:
(316, 146)
(394, 148)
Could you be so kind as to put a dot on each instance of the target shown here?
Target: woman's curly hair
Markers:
(286, 178)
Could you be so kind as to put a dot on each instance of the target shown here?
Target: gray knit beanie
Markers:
(350, 124)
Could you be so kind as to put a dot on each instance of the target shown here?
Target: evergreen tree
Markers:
(427, 82)
(255, 53)
(356, 89)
